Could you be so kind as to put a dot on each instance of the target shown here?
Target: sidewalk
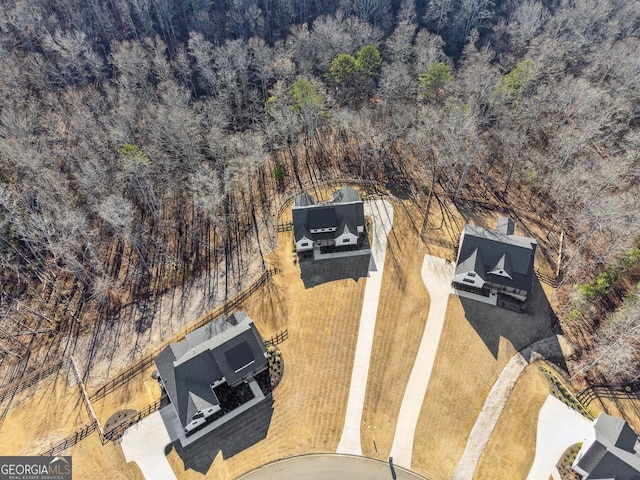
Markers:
(381, 213)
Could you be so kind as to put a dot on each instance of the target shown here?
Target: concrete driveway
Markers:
(329, 466)
(381, 212)
(559, 427)
(436, 275)
(144, 443)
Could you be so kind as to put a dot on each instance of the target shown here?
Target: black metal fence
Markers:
(285, 227)
(548, 279)
(609, 392)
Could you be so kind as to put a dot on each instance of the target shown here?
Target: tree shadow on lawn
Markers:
(317, 272)
(231, 438)
(521, 329)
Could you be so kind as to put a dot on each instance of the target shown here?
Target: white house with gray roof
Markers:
(337, 223)
(611, 452)
(493, 263)
(211, 375)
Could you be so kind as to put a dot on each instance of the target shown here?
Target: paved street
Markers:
(329, 467)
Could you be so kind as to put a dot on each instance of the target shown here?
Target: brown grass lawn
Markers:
(136, 394)
(320, 305)
(36, 422)
(93, 460)
(310, 402)
(402, 315)
(463, 374)
(511, 449)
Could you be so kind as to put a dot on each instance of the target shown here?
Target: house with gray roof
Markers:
(611, 452)
(495, 264)
(216, 372)
(337, 223)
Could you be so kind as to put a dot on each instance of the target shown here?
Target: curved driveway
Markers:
(559, 427)
(329, 467)
(494, 405)
(436, 275)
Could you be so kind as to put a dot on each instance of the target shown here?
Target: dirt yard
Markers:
(93, 460)
(310, 402)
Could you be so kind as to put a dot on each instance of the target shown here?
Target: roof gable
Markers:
(472, 263)
(224, 349)
(345, 195)
(515, 253)
(502, 267)
(614, 452)
(304, 199)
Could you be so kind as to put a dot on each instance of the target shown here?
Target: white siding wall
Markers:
(466, 279)
(301, 248)
(350, 238)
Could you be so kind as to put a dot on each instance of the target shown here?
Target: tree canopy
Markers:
(434, 79)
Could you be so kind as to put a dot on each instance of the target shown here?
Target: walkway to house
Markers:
(144, 443)
(559, 427)
(494, 405)
(318, 255)
(381, 213)
(436, 275)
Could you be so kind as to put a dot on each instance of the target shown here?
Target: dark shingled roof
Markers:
(473, 263)
(239, 356)
(322, 217)
(301, 231)
(222, 350)
(613, 453)
(345, 195)
(304, 200)
(346, 207)
(482, 250)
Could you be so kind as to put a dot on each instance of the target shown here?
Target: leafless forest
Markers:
(139, 139)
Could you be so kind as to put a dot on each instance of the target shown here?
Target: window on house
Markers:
(345, 240)
(304, 244)
(471, 274)
(467, 280)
